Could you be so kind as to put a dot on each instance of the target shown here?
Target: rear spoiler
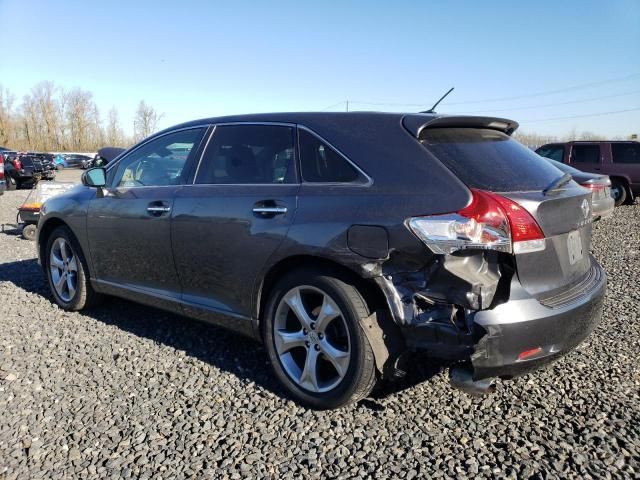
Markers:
(416, 123)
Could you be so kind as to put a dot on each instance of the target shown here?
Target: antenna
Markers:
(433, 109)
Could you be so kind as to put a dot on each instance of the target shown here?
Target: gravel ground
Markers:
(130, 391)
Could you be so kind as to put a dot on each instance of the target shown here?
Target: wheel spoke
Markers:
(56, 261)
(64, 251)
(73, 264)
(285, 341)
(328, 312)
(338, 358)
(294, 301)
(59, 283)
(71, 285)
(309, 375)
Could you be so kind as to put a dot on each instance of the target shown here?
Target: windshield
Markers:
(488, 159)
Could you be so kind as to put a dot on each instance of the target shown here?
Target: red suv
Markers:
(618, 159)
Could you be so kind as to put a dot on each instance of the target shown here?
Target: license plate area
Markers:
(574, 246)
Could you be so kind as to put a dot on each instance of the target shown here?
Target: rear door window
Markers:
(249, 154)
(626, 153)
(488, 159)
(554, 152)
(585, 154)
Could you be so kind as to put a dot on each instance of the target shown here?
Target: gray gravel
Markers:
(129, 391)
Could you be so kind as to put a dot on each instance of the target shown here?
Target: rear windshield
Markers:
(488, 159)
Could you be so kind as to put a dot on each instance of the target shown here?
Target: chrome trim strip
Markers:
(206, 145)
(368, 183)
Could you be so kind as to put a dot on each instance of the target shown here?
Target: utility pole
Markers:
(347, 103)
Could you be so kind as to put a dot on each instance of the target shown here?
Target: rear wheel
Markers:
(315, 342)
(11, 183)
(618, 192)
(67, 271)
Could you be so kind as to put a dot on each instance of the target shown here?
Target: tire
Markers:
(29, 231)
(83, 295)
(11, 183)
(346, 377)
(619, 192)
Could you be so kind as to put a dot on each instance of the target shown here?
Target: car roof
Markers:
(413, 122)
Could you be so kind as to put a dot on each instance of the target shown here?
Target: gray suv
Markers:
(341, 241)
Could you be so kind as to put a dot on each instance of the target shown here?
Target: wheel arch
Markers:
(372, 294)
(44, 232)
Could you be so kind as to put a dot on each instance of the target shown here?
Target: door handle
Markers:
(270, 210)
(157, 208)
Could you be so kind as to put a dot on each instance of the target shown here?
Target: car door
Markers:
(129, 225)
(233, 217)
(586, 157)
(625, 161)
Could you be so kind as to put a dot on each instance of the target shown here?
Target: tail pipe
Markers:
(461, 377)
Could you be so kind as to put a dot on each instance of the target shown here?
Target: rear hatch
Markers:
(488, 159)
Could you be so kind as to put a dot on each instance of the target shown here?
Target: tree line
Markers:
(53, 119)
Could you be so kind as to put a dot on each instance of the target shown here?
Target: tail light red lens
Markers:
(490, 221)
(17, 164)
(598, 190)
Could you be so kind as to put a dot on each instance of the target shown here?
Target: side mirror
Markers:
(94, 177)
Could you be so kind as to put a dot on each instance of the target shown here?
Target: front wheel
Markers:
(67, 271)
(11, 183)
(315, 342)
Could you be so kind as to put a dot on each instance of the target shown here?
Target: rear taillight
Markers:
(17, 164)
(598, 190)
(490, 222)
(1, 171)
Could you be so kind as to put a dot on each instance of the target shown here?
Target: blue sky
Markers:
(192, 59)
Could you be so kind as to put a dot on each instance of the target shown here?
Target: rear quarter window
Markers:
(489, 160)
(626, 153)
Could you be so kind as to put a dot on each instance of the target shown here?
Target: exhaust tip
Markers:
(461, 377)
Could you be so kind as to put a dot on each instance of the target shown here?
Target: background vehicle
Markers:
(343, 241)
(26, 170)
(3, 184)
(104, 156)
(59, 161)
(600, 186)
(620, 160)
(75, 160)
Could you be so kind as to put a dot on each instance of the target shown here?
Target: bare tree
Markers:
(7, 117)
(145, 121)
(114, 135)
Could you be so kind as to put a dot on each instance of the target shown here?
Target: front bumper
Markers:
(553, 325)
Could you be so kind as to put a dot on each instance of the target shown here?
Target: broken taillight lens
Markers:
(489, 222)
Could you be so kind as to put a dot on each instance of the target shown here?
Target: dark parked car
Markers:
(104, 156)
(620, 160)
(25, 169)
(602, 201)
(343, 241)
(74, 160)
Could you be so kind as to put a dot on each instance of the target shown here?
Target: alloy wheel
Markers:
(63, 268)
(311, 339)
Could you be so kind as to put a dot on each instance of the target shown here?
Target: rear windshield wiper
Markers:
(557, 183)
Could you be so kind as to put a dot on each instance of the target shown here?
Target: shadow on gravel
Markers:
(216, 346)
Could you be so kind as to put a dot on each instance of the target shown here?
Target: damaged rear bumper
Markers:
(527, 333)
(519, 335)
